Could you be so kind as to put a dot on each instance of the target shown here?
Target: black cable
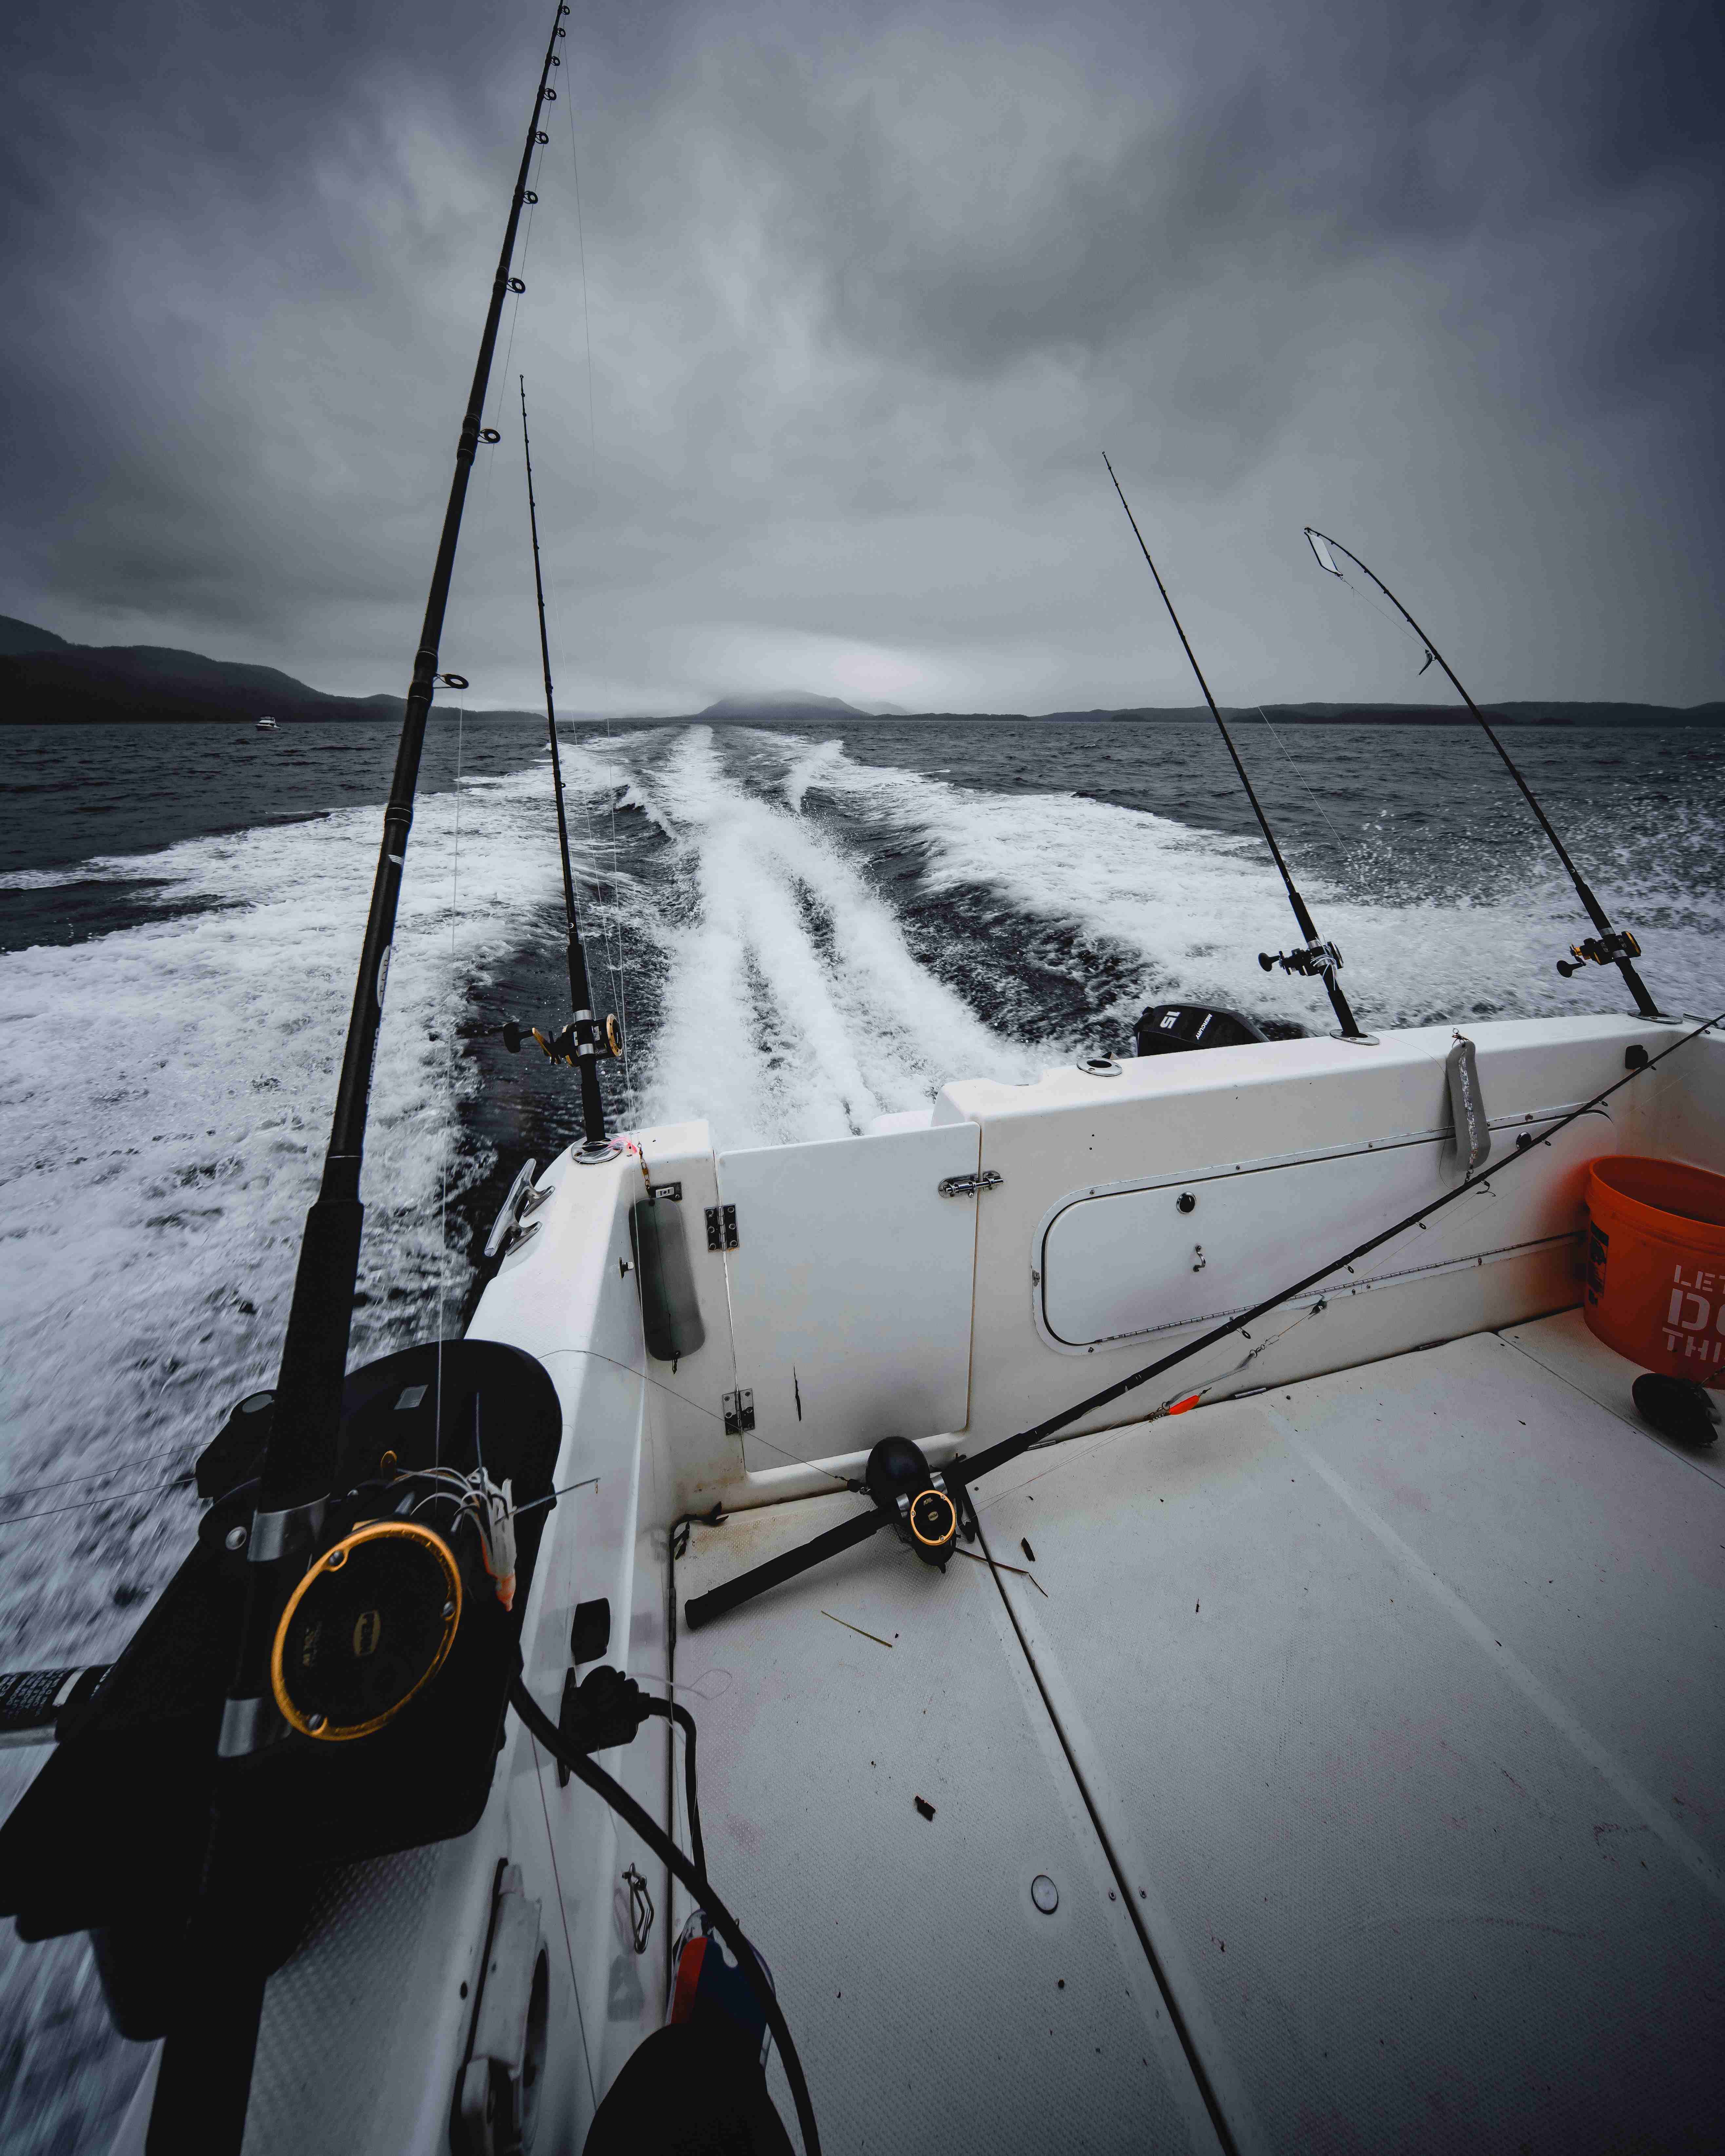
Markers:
(541, 1724)
(686, 1721)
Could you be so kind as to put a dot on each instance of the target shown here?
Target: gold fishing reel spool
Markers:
(934, 1525)
(614, 1034)
(367, 1628)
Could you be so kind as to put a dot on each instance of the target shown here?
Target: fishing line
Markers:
(483, 522)
(1301, 776)
(107, 1497)
(613, 914)
(611, 938)
(96, 1475)
(1610, 947)
(1317, 959)
(568, 1946)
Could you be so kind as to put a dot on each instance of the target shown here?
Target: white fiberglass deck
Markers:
(1369, 1729)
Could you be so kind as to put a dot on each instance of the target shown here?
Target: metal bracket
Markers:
(721, 1227)
(498, 2089)
(968, 1186)
(739, 1411)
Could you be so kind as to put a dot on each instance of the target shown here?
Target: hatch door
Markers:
(851, 1282)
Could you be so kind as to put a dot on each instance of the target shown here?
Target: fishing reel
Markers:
(373, 1619)
(563, 1047)
(382, 1677)
(1316, 960)
(1599, 951)
(903, 1486)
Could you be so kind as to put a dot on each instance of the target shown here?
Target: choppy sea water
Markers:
(802, 927)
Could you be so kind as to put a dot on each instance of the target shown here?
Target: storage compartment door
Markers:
(850, 1288)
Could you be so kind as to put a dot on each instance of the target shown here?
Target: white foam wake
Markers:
(1195, 908)
(163, 1110)
(793, 1006)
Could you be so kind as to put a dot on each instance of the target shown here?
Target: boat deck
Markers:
(1369, 1731)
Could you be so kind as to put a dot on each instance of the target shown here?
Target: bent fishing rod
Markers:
(206, 2061)
(1317, 959)
(1611, 945)
(579, 1041)
(960, 1474)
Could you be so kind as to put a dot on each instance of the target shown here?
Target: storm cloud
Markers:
(823, 369)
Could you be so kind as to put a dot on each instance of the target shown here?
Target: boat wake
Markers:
(806, 940)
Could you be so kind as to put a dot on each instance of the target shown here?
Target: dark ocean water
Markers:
(803, 928)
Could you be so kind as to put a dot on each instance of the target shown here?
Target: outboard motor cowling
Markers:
(1170, 1029)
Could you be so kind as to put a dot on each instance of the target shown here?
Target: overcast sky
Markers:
(869, 289)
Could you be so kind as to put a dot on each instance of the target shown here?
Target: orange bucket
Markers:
(1656, 1265)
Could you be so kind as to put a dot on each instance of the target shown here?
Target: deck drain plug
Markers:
(1045, 1894)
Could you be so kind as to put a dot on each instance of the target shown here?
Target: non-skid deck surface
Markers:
(1396, 1698)
(934, 2006)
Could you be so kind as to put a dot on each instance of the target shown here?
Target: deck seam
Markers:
(1702, 1467)
(1201, 2074)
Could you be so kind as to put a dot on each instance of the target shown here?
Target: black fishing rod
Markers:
(581, 1035)
(206, 2066)
(959, 1474)
(314, 1356)
(1612, 946)
(1317, 959)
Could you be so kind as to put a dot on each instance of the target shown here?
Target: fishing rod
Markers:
(206, 2061)
(1316, 959)
(1611, 945)
(898, 1485)
(579, 1040)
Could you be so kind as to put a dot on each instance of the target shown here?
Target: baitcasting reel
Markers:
(1599, 951)
(1318, 960)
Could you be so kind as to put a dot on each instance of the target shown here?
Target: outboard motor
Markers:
(1170, 1029)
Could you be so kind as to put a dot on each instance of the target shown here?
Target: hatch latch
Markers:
(970, 1186)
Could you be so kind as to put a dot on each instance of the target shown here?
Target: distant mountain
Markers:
(46, 682)
(780, 704)
(24, 636)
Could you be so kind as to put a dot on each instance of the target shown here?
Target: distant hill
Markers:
(24, 636)
(44, 680)
(1511, 714)
(780, 704)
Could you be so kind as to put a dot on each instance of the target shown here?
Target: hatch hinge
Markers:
(721, 1227)
(968, 1186)
(739, 1411)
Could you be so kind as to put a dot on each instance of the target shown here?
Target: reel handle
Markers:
(1316, 960)
(1607, 950)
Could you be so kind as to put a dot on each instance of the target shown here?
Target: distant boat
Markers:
(266, 726)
